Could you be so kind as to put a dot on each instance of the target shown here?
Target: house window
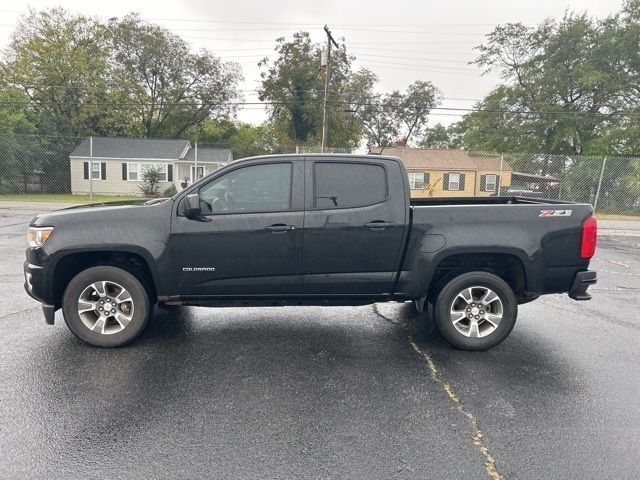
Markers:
(135, 171)
(197, 173)
(416, 180)
(454, 181)
(132, 171)
(490, 183)
(96, 173)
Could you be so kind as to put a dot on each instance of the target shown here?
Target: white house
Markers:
(114, 166)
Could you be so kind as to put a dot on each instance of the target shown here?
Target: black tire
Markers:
(134, 287)
(449, 293)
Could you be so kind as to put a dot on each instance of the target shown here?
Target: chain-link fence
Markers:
(40, 172)
(610, 183)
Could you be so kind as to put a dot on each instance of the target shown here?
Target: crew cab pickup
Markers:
(308, 230)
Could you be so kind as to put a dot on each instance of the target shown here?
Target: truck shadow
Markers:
(223, 370)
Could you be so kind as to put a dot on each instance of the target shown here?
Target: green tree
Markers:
(244, 139)
(399, 116)
(15, 113)
(60, 63)
(171, 88)
(440, 136)
(127, 77)
(381, 125)
(562, 88)
(632, 179)
(294, 84)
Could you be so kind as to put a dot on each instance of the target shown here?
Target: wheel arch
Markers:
(510, 265)
(134, 260)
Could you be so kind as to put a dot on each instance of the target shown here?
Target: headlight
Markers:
(36, 236)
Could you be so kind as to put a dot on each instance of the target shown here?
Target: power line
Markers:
(254, 91)
(417, 64)
(423, 70)
(360, 55)
(337, 103)
(403, 50)
(344, 25)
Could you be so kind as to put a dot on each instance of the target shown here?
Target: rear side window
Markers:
(342, 185)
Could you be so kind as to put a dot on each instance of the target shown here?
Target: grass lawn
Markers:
(610, 216)
(64, 198)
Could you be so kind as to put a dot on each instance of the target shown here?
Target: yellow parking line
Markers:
(478, 436)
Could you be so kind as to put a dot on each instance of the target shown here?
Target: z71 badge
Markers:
(555, 213)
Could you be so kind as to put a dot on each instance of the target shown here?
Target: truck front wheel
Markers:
(105, 306)
(475, 311)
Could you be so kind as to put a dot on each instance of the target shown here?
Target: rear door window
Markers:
(348, 185)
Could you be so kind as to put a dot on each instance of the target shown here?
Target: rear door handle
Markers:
(280, 228)
(379, 225)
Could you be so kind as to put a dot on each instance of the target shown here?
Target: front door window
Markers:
(253, 189)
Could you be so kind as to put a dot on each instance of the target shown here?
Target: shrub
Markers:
(151, 182)
(170, 192)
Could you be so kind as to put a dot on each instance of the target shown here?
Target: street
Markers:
(316, 392)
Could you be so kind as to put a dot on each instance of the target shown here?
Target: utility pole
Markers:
(195, 168)
(91, 169)
(327, 76)
(500, 176)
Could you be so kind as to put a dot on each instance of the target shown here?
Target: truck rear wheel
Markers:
(475, 311)
(105, 306)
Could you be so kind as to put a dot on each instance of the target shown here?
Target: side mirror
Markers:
(192, 205)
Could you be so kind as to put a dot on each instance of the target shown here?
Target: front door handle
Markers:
(280, 228)
(379, 225)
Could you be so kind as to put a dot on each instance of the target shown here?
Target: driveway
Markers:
(366, 392)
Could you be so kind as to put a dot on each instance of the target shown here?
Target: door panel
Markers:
(233, 254)
(351, 251)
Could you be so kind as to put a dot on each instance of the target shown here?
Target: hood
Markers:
(119, 203)
(105, 210)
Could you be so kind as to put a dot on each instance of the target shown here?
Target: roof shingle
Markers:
(213, 155)
(444, 159)
(132, 148)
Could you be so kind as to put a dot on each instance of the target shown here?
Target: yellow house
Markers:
(450, 172)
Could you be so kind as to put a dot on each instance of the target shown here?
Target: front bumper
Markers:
(33, 285)
(580, 284)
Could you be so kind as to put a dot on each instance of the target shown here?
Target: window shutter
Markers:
(427, 177)
(462, 181)
(170, 173)
(86, 170)
(124, 171)
(483, 183)
(103, 171)
(445, 181)
(497, 184)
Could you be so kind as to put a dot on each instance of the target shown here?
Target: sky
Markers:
(401, 41)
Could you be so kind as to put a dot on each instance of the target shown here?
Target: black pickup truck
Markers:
(308, 230)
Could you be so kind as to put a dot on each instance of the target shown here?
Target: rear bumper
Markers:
(580, 284)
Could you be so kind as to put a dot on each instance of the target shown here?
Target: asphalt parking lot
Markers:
(366, 392)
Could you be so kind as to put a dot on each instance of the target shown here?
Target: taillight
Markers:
(588, 238)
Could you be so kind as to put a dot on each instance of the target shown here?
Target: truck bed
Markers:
(541, 236)
(503, 200)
